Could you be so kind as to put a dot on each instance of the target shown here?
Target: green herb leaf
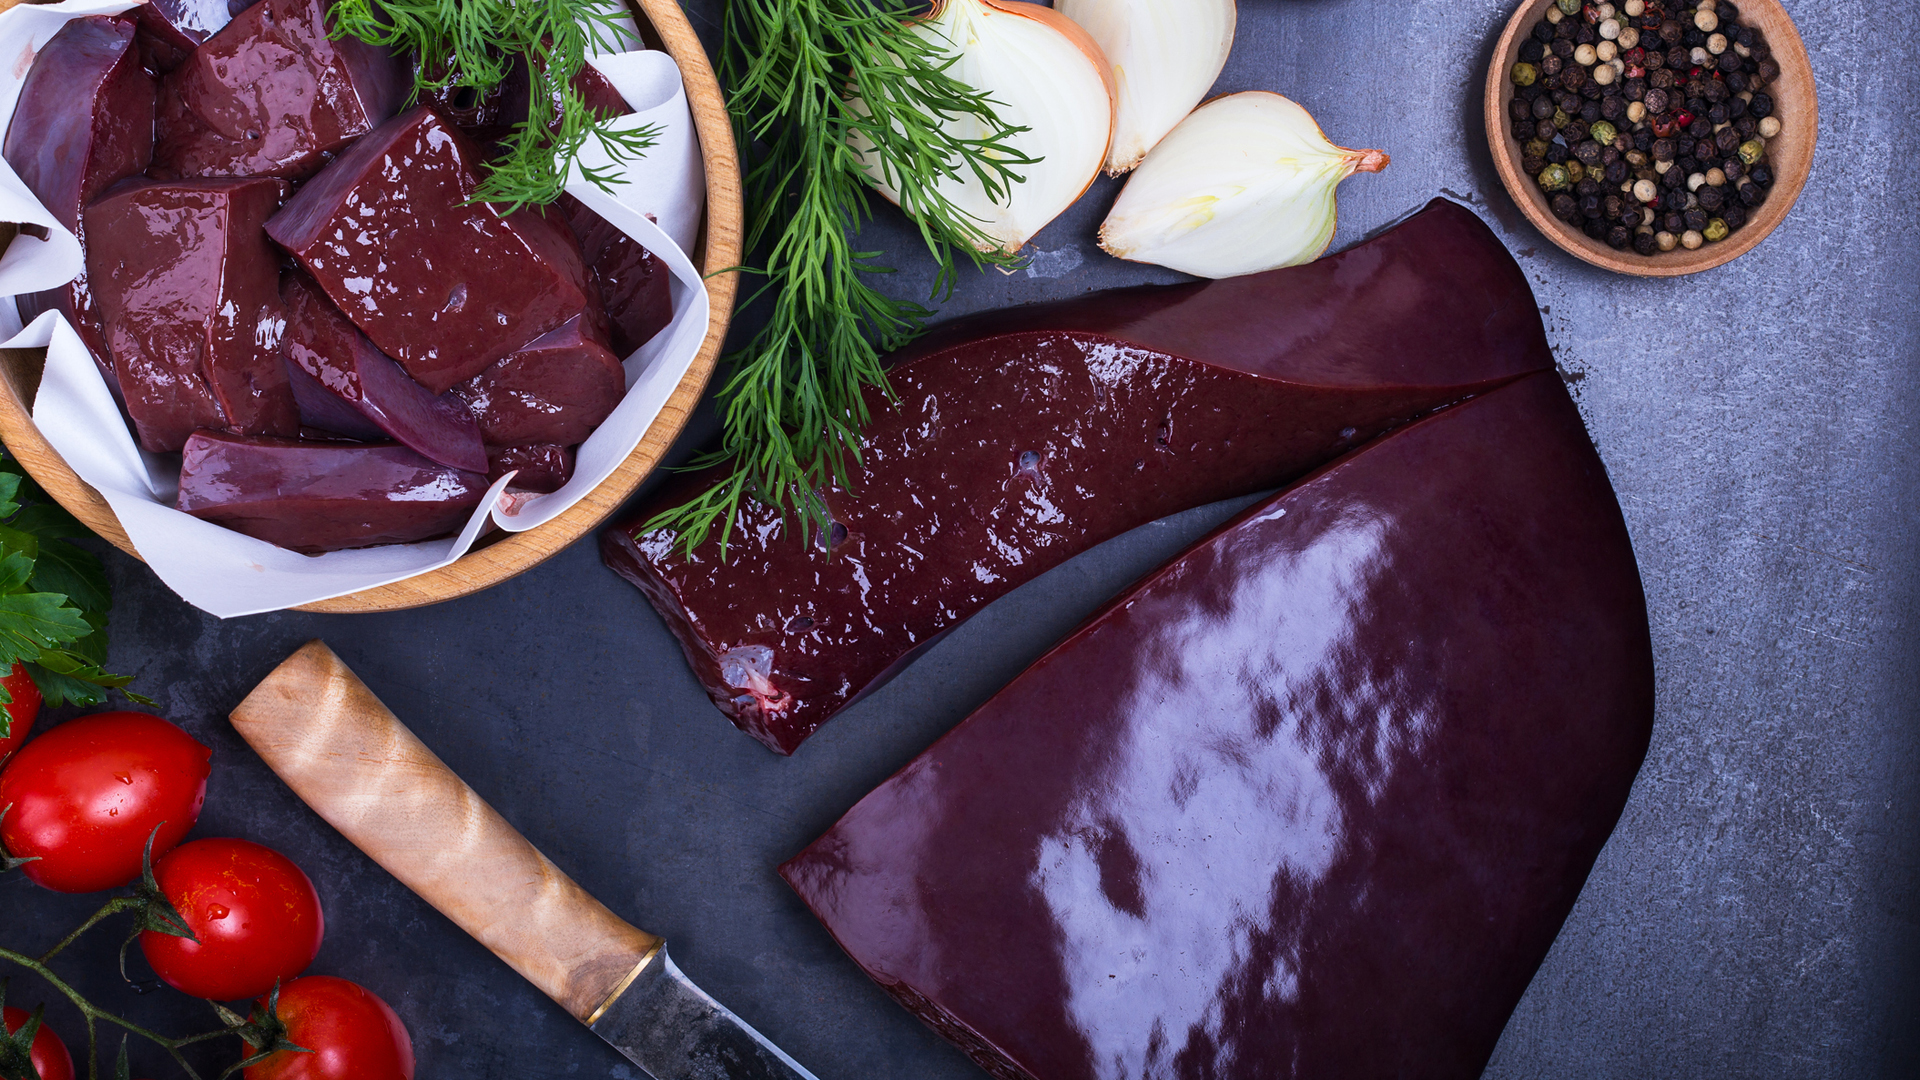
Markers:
(75, 571)
(33, 622)
(9, 493)
(803, 79)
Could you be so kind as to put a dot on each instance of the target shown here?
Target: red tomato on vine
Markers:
(21, 711)
(85, 796)
(255, 914)
(352, 1033)
(48, 1054)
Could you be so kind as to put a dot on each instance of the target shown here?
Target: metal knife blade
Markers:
(676, 1031)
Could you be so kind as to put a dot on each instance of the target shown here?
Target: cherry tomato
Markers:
(21, 710)
(87, 794)
(352, 1033)
(48, 1054)
(256, 915)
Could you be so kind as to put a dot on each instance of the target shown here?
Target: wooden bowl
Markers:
(500, 555)
(1790, 153)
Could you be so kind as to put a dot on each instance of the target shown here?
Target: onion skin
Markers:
(1153, 92)
(1208, 203)
(1013, 239)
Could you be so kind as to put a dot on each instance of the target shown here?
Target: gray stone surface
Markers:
(1755, 914)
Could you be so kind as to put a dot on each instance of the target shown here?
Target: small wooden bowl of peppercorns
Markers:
(1652, 137)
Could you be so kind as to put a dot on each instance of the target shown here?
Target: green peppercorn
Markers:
(1555, 178)
(1525, 74)
(1536, 148)
(1568, 7)
(1716, 230)
(1753, 150)
(1602, 132)
(1576, 172)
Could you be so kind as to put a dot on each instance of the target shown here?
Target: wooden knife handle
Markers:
(359, 767)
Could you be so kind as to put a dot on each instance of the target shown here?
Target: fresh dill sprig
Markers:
(475, 45)
(804, 77)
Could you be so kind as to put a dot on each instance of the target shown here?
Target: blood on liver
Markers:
(1311, 800)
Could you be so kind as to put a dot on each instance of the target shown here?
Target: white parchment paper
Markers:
(227, 574)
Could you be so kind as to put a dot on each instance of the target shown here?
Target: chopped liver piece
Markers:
(1312, 800)
(1027, 436)
(312, 497)
(443, 287)
(171, 29)
(339, 359)
(556, 390)
(271, 94)
(189, 290)
(543, 467)
(84, 121)
(633, 283)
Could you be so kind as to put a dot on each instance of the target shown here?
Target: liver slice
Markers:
(543, 467)
(171, 29)
(1312, 800)
(634, 286)
(1027, 436)
(340, 361)
(312, 497)
(189, 290)
(271, 94)
(84, 121)
(556, 390)
(473, 286)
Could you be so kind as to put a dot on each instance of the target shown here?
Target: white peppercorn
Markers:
(1629, 37)
(1645, 190)
(1716, 177)
(1606, 51)
(1769, 126)
(1717, 44)
(1699, 56)
(1637, 111)
(1605, 74)
(1666, 240)
(1634, 8)
(1691, 240)
(1610, 29)
(1706, 20)
(1695, 181)
(1584, 56)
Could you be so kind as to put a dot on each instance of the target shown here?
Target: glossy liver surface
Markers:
(318, 496)
(271, 94)
(472, 286)
(84, 120)
(341, 362)
(1029, 435)
(1312, 800)
(556, 390)
(634, 286)
(189, 291)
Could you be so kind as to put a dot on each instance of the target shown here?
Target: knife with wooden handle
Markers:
(319, 727)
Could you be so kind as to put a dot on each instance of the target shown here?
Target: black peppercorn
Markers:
(1618, 236)
(1751, 194)
(1717, 115)
(1551, 66)
(1736, 107)
(1711, 198)
(1523, 130)
(1696, 219)
(1519, 109)
(1761, 175)
(1746, 126)
(1568, 101)
(1531, 51)
(1575, 132)
(1557, 154)
(1563, 48)
(1727, 140)
(1544, 130)
(1636, 89)
(1585, 34)
(1715, 90)
(1670, 32)
(1616, 173)
(1531, 164)
(1678, 59)
(1728, 14)
(1673, 223)
(1761, 106)
(1734, 215)
(1733, 167)
(1696, 101)
(1768, 71)
(1595, 228)
(1612, 206)
(1564, 206)
(1588, 152)
(1657, 101)
(1591, 111)
(1656, 58)
(1543, 31)
(1736, 82)
(1663, 150)
(1730, 61)
(1644, 243)
(1563, 30)
(1683, 146)
(1542, 108)
(1587, 186)
(1572, 76)
(1692, 38)
(1643, 141)
(1746, 35)
(1673, 179)
(1700, 128)
(1591, 90)
(1761, 51)
(1589, 206)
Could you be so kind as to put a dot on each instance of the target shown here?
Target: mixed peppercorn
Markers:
(1646, 122)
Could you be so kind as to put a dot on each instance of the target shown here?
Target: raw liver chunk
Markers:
(339, 359)
(84, 121)
(1312, 800)
(1027, 436)
(312, 497)
(171, 29)
(445, 288)
(556, 390)
(271, 94)
(189, 290)
(633, 284)
(542, 468)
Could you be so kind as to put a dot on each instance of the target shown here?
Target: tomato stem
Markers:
(94, 1013)
(111, 908)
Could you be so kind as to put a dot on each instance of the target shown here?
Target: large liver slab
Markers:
(1312, 800)
(1024, 437)
(444, 286)
(189, 290)
(84, 121)
(273, 94)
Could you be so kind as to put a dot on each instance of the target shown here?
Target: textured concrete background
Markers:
(1755, 914)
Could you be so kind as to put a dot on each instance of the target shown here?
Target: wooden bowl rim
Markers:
(512, 553)
(1801, 124)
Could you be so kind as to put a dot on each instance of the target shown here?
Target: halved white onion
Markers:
(1165, 54)
(1044, 74)
(1246, 183)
